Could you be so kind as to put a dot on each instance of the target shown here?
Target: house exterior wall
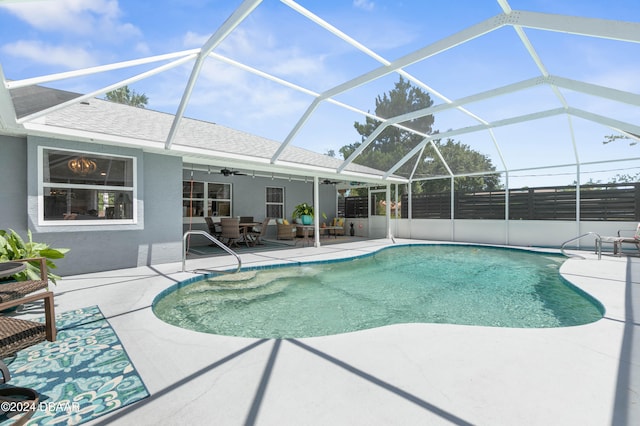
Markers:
(156, 238)
(13, 184)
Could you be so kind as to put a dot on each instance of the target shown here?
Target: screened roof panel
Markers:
(302, 73)
(605, 107)
(590, 59)
(453, 118)
(594, 145)
(335, 124)
(493, 60)
(536, 143)
(602, 172)
(516, 104)
(270, 41)
(548, 176)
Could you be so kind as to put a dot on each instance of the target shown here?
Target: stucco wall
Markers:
(156, 238)
(13, 184)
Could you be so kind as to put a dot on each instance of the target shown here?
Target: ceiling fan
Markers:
(229, 172)
(329, 182)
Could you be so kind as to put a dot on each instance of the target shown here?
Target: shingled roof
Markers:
(104, 121)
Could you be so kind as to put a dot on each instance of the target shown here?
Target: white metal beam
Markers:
(596, 90)
(102, 68)
(103, 90)
(592, 27)
(617, 125)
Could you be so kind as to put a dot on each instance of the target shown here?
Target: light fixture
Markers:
(82, 166)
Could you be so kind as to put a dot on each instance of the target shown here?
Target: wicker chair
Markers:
(215, 229)
(230, 231)
(339, 222)
(286, 232)
(18, 289)
(15, 333)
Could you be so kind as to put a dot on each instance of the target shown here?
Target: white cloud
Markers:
(97, 17)
(262, 51)
(622, 78)
(40, 52)
(192, 40)
(363, 4)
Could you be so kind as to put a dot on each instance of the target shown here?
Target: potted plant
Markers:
(324, 216)
(13, 247)
(303, 211)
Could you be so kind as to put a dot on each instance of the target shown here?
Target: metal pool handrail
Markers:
(598, 245)
(214, 240)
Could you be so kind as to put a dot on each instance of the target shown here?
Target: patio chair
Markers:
(215, 229)
(338, 222)
(17, 334)
(619, 240)
(17, 398)
(258, 232)
(18, 289)
(286, 231)
(230, 231)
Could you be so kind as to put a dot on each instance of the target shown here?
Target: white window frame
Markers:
(75, 223)
(268, 203)
(205, 200)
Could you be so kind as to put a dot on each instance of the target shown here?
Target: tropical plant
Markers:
(303, 209)
(13, 247)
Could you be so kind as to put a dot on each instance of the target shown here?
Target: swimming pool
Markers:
(453, 284)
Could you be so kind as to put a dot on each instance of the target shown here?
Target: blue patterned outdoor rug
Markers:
(84, 374)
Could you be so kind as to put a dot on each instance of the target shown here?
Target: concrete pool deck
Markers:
(400, 374)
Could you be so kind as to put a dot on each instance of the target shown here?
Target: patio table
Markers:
(9, 268)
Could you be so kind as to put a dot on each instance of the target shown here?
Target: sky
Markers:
(43, 37)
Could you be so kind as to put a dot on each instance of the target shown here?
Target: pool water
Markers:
(408, 284)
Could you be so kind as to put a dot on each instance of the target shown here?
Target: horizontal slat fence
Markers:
(606, 202)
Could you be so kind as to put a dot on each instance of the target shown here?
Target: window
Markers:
(275, 202)
(87, 186)
(215, 196)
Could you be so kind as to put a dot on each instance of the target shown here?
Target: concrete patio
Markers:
(400, 374)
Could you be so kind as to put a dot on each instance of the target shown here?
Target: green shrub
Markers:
(13, 247)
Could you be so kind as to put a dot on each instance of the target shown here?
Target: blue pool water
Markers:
(407, 284)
